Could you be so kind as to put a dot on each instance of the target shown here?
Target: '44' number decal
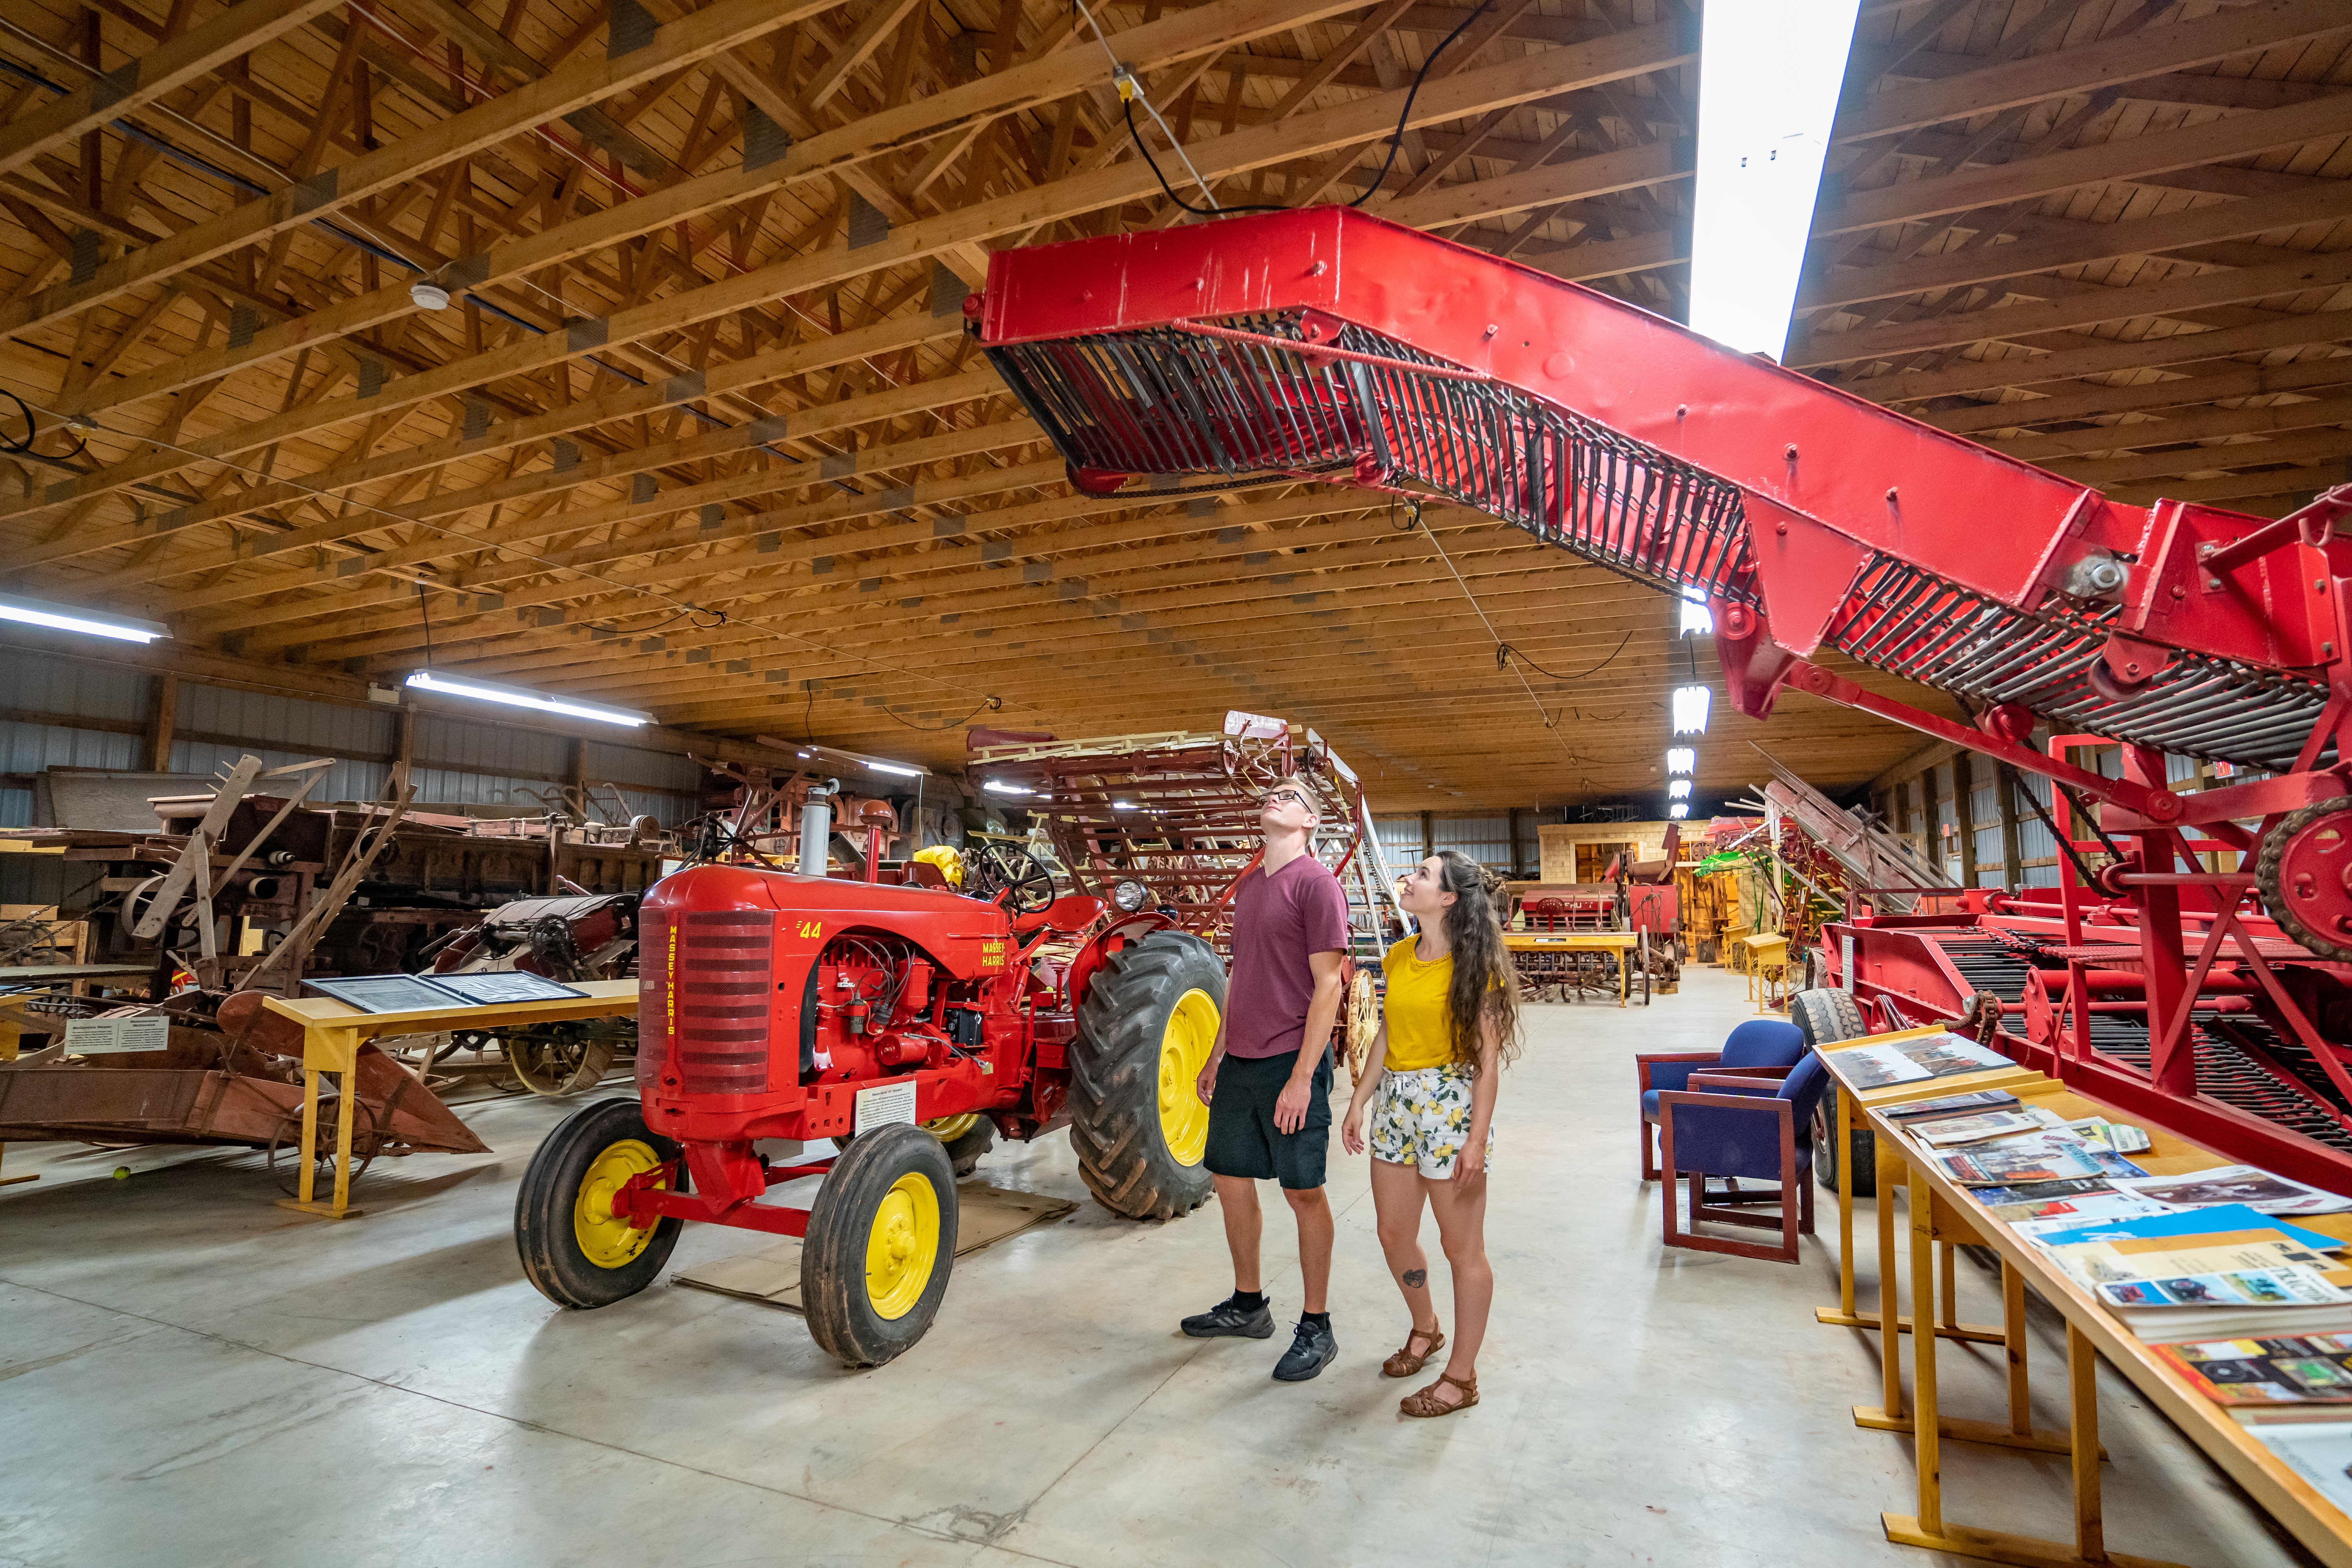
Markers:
(809, 930)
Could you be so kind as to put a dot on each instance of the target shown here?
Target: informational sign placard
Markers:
(95, 1037)
(882, 1105)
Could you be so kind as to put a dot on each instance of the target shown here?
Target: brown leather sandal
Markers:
(1425, 1403)
(1404, 1362)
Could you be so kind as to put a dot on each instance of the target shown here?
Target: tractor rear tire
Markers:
(881, 1245)
(572, 1249)
(1825, 1016)
(1137, 1119)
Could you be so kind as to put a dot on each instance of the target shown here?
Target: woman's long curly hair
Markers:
(1484, 986)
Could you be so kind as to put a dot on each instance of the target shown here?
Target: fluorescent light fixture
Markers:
(1678, 789)
(523, 696)
(1122, 805)
(1696, 617)
(1681, 760)
(993, 787)
(74, 618)
(1770, 73)
(809, 751)
(1690, 710)
(1679, 810)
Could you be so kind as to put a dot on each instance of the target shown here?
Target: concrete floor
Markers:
(195, 1377)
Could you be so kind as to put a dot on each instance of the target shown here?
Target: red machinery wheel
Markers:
(2305, 873)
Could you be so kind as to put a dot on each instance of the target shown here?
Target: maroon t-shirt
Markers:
(1279, 921)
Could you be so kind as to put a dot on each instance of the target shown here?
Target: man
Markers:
(1268, 1080)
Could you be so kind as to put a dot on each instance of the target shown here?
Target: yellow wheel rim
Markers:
(605, 1238)
(947, 1129)
(1184, 1047)
(903, 1246)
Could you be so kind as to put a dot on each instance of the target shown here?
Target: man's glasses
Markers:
(1278, 796)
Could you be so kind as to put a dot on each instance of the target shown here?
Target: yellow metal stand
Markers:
(332, 1033)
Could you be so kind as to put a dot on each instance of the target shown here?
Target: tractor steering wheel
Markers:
(990, 869)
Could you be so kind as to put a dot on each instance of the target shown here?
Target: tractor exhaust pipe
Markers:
(817, 827)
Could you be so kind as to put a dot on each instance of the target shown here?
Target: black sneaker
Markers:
(1229, 1317)
(1311, 1350)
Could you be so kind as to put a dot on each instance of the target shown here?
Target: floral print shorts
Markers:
(1421, 1119)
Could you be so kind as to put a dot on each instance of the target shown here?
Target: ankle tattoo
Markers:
(1415, 1278)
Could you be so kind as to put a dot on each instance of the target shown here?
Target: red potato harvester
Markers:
(910, 1021)
(1327, 344)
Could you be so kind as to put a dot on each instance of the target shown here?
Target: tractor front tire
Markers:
(1137, 1119)
(880, 1244)
(573, 1250)
(1825, 1016)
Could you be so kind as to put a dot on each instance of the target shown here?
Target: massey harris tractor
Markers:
(912, 1022)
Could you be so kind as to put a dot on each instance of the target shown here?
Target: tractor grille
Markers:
(1167, 403)
(704, 1013)
(2243, 1065)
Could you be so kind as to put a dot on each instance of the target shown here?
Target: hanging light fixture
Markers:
(1678, 789)
(523, 696)
(1690, 705)
(1679, 810)
(1697, 617)
(994, 787)
(1681, 760)
(74, 618)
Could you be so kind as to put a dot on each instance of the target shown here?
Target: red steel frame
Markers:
(1829, 485)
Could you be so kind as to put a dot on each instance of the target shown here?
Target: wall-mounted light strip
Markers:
(523, 696)
(74, 618)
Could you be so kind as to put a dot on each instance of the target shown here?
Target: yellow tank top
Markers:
(1414, 1009)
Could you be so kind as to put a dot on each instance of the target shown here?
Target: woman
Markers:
(1450, 1022)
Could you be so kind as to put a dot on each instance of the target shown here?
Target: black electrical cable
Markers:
(1127, 106)
(1397, 136)
(1505, 653)
(985, 702)
(425, 616)
(32, 429)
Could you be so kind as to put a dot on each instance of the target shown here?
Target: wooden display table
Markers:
(333, 1032)
(1522, 946)
(1944, 1214)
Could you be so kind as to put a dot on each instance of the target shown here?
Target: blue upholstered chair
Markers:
(1757, 1043)
(1755, 1125)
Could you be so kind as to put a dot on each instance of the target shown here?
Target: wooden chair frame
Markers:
(1651, 1170)
(1796, 1194)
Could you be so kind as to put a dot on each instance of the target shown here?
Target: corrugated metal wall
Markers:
(66, 689)
(1485, 839)
(217, 726)
(458, 762)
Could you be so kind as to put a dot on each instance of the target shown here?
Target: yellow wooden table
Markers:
(1943, 1214)
(333, 1031)
(1621, 942)
(1767, 966)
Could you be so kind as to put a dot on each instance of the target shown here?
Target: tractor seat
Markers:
(1071, 913)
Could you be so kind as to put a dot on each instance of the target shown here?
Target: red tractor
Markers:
(910, 1023)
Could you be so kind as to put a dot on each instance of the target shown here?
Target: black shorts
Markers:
(1242, 1139)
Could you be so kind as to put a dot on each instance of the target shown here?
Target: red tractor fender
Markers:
(1101, 945)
